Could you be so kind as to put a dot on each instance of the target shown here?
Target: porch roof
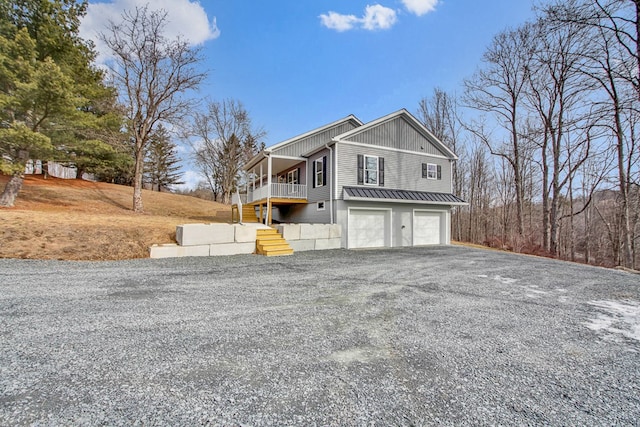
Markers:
(402, 196)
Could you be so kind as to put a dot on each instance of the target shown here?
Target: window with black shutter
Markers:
(370, 170)
(431, 171)
(320, 172)
(324, 170)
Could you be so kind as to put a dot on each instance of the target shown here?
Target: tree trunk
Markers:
(137, 181)
(11, 190)
(587, 235)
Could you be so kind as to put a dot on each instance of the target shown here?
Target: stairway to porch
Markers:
(248, 214)
(269, 242)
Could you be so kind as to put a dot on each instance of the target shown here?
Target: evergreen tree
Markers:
(52, 100)
(162, 162)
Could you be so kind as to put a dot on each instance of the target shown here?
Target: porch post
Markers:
(269, 169)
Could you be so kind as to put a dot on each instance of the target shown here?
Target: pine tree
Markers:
(52, 100)
(162, 162)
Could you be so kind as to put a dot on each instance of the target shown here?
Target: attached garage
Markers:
(369, 228)
(375, 217)
(427, 228)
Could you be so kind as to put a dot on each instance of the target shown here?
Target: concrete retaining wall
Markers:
(311, 237)
(235, 239)
(209, 240)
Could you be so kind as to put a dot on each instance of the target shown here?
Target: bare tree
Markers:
(497, 88)
(556, 88)
(226, 140)
(152, 74)
(613, 64)
(439, 114)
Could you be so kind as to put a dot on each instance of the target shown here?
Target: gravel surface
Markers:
(420, 336)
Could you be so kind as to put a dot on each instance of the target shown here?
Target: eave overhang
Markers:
(374, 194)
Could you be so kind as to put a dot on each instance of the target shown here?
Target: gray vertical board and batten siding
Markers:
(315, 141)
(399, 134)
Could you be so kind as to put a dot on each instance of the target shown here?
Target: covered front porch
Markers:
(271, 181)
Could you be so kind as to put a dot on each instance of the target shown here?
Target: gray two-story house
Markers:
(387, 183)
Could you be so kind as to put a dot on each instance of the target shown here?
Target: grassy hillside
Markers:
(80, 220)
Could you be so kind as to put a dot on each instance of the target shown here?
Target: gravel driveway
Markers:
(420, 336)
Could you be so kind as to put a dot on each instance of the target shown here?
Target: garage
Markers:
(427, 228)
(369, 228)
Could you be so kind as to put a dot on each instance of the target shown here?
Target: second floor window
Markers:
(370, 170)
(320, 172)
(431, 171)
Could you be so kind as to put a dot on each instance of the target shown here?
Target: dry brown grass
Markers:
(80, 220)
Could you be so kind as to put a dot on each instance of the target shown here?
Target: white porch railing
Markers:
(280, 191)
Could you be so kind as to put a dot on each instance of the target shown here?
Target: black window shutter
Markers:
(360, 169)
(324, 170)
(313, 174)
(439, 172)
(381, 171)
(425, 170)
(298, 176)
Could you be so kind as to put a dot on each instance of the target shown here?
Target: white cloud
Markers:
(185, 18)
(378, 17)
(420, 7)
(338, 22)
(375, 17)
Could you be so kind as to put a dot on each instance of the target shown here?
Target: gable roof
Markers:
(410, 120)
(321, 129)
(289, 147)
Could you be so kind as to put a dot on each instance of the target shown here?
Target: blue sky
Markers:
(295, 65)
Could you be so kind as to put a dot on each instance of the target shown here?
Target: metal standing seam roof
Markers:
(408, 195)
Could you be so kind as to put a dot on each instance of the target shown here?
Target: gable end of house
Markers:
(398, 131)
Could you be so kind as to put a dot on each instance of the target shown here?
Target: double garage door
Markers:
(372, 228)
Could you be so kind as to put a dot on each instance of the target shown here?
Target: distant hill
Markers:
(80, 220)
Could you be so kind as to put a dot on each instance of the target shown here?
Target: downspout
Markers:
(330, 182)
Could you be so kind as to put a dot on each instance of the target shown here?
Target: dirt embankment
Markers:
(81, 220)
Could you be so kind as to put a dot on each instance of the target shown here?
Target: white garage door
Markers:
(426, 228)
(367, 228)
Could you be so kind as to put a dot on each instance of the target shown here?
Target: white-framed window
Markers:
(292, 176)
(320, 206)
(430, 171)
(318, 172)
(371, 170)
(292, 180)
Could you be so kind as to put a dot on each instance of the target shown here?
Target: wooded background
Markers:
(546, 129)
(547, 134)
